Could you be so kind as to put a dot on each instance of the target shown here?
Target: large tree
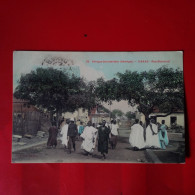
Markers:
(130, 115)
(55, 90)
(116, 113)
(162, 88)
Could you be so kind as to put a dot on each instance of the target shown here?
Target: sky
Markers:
(94, 65)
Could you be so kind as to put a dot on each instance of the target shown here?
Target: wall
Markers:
(179, 116)
(79, 114)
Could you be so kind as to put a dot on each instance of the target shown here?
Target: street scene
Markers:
(35, 151)
(98, 107)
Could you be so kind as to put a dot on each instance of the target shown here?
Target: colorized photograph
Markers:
(98, 107)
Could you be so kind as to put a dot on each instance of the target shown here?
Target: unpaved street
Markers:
(122, 154)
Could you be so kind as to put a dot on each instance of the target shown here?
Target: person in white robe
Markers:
(136, 138)
(89, 135)
(152, 138)
(114, 134)
(64, 131)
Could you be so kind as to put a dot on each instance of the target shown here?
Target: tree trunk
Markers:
(51, 116)
(58, 117)
(147, 119)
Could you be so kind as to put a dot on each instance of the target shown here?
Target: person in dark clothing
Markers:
(52, 139)
(103, 136)
(72, 133)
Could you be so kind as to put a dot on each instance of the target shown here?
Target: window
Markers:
(173, 120)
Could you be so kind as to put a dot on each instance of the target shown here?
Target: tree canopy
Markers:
(116, 113)
(146, 90)
(130, 115)
(55, 90)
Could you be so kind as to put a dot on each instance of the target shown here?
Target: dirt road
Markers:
(40, 154)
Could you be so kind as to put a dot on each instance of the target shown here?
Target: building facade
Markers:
(96, 116)
(79, 115)
(27, 119)
(173, 119)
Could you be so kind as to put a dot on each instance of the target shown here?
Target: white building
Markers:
(79, 115)
(96, 116)
(176, 118)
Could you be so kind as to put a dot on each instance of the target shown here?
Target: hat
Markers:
(72, 119)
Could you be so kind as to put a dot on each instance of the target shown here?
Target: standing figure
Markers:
(152, 139)
(72, 133)
(114, 134)
(64, 132)
(81, 128)
(89, 135)
(136, 138)
(164, 140)
(110, 127)
(158, 126)
(103, 136)
(52, 139)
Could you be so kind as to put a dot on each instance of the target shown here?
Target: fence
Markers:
(29, 123)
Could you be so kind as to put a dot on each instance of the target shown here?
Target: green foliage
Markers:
(131, 86)
(130, 115)
(58, 92)
(107, 90)
(116, 113)
(90, 99)
(54, 90)
(162, 88)
(102, 108)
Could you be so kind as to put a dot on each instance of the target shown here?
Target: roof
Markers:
(22, 106)
(15, 100)
(161, 113)
(101, 114)
(96, 112)
(156, 110)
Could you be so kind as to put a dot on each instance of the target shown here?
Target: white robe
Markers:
(136, 138)
(89, 135)
(114, 129)
(152, 140)
(64, 132)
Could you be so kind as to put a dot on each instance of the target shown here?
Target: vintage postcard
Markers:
(98, 107)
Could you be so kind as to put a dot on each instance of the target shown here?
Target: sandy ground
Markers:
(41, 154)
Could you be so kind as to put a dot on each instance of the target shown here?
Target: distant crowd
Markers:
(154, 136)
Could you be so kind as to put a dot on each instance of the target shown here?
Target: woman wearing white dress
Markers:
(152, 138)
(136, 138)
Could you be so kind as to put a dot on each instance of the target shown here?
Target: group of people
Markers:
(155, 135)
(68, 132)
(106, 133)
